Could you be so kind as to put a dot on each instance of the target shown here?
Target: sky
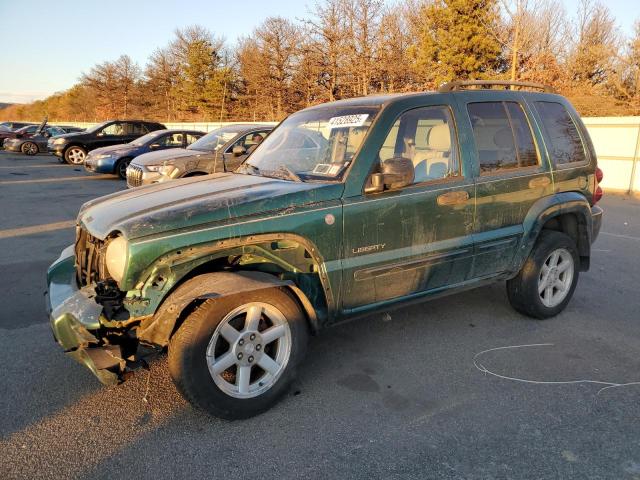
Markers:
(46, 46)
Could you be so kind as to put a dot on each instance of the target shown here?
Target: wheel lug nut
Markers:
(258, 347)
(240, 356)
(250, 359)
(241, 342)
(252, 337)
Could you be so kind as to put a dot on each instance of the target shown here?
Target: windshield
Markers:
(215, 139)
(97, 128)
(317, 144)
(143, 140)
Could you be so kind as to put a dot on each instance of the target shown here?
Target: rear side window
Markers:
(131, 128)
(502, 136)
(562, 137)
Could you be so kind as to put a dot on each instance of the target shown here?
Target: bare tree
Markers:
(328, 32)
(596, 41)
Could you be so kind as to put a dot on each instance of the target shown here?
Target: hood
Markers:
(161, 156)
(196, 201)
(72, 135)
(117, 149)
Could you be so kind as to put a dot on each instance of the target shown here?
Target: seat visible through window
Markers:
(424, 135)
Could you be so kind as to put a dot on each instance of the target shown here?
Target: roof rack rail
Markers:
(461, 85)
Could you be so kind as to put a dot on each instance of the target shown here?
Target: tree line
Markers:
(346, 48)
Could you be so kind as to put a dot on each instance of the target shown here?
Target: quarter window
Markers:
(560, 132)
(135, 129)
(424, 135)
(502, 136)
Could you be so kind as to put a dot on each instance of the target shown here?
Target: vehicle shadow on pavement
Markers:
(80, 424)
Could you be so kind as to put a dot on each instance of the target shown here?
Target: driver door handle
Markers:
(453, 198)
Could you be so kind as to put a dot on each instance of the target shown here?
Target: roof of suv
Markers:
(452, 87)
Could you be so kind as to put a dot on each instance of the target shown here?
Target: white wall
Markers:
(616, 140)
(617, 144)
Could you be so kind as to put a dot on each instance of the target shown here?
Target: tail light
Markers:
(597, 193)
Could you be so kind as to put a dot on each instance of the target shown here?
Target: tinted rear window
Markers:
(503, 136)
(563, 140)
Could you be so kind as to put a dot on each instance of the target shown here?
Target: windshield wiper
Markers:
(248, 168)
(285, 172)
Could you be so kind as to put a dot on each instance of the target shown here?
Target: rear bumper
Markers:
(75, 321)
(596, 222)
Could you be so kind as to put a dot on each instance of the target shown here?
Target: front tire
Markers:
(121, 167)
(545, 284)
(234, 357)
(29, 148)
(75, 155)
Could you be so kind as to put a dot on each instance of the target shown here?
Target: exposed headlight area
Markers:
(116, 258)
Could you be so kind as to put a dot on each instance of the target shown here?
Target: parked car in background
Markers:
(13, 126)
(33, 144)
(406, 198)
(73, 147)
(24, 132)
(116, 158)
(221, 150)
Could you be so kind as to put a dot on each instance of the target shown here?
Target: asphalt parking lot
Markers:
(429, 392)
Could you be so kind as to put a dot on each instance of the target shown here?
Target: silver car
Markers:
(223, 149)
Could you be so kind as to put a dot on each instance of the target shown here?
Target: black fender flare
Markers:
(551, 207)
(158, 329)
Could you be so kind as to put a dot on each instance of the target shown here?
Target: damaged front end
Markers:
(87, 314)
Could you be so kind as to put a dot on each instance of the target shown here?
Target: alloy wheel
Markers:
(76, 155)
(249, 350)
(556, 275)
(30, 148)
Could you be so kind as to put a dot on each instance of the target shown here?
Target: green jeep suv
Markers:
(347, 208)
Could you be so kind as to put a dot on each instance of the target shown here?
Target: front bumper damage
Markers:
(75, 318)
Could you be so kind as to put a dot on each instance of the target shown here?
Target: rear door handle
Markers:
(453, 198)
(539, 182)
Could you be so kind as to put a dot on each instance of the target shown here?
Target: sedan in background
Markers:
(73, 147)
(13, 126)
(221, 150)
(116, 158)
(33, 144)
(24, 132)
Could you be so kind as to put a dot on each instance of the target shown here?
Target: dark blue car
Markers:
(116, 158)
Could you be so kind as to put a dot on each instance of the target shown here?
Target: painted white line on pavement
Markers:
(47, 227)
(53, 180)
(628, 237)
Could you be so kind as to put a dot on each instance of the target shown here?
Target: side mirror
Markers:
(154, 146)
(397, 172)
(100, 134)
(239, 150)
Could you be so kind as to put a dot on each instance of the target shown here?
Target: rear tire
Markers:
(546, 282)
(75, 155)
(29, 148)
(262, 336)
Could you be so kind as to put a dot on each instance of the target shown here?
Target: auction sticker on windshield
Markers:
(348, 120)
